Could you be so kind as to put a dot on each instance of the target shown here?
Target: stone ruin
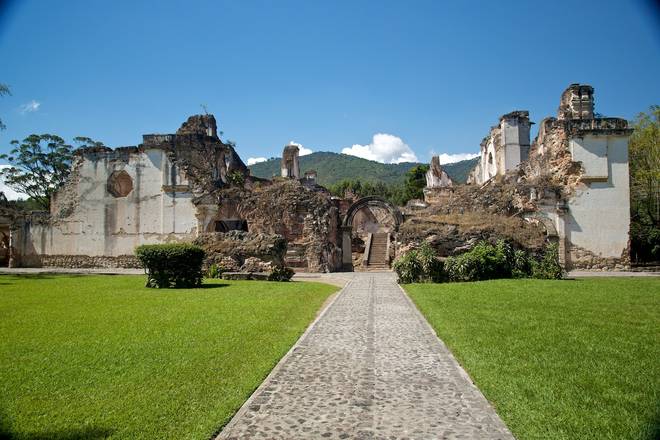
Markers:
(290, 164)
(189, 186)
(570, 186)
(439, 185)
(572, 182)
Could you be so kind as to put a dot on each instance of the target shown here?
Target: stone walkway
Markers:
(370, 367)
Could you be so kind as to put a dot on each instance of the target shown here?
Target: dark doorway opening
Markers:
(226, 225)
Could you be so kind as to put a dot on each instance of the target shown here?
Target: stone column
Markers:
(564, 255)
(346, 248)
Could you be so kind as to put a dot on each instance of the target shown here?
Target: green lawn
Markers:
(574, 359)
(102, 356)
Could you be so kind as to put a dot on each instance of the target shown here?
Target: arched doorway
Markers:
(372, 220)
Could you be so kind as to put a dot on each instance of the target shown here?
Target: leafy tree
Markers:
(390, 192)
(40, 164)
(396, 193)
(415, 182)
(4, 90)
(644, 162)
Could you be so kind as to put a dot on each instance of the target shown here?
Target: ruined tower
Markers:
(514, 128)
(439, 185)
(436, 177)
(290, 165)
(577, 102)
(504, 148)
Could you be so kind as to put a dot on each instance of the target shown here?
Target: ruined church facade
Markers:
(117, 199)
(190, 186)
(575, 175)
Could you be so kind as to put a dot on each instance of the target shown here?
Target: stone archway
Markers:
(347, 224)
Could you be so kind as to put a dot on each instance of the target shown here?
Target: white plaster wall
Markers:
(104, 225)
(592, 151)
(488, 169)
(598, 217)
(515, 138)
(511, 157)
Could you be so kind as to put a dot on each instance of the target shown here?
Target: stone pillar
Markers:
(514, 129)
(290, 165)
(346, 248)
(436, 177)
(564, 256)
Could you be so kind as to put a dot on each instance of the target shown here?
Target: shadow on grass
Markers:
(203, 286)
(42, 275)
(7, 433)
(212, 286)
(65, 434)
(654, 429)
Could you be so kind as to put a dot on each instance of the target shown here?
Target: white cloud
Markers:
(10, 193)
(253, 160)
(302, 151)
(451, 158)
(385, 148)
(30, 107)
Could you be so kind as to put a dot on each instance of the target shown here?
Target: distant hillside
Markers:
(334, 167)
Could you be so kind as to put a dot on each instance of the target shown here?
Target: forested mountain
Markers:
(334, 167)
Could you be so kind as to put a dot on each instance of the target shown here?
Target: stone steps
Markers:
(378, 253)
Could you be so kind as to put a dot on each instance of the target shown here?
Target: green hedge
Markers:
(171, 265)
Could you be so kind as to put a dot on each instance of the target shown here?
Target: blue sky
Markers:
(434, 75)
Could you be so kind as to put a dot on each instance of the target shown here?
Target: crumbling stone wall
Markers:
(231, 250)
(86, 261)
(305, 216)
(117, 199)
(576, 176)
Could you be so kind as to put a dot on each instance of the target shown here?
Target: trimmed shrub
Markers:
(281, 273)
(171, 265)
(548, 268)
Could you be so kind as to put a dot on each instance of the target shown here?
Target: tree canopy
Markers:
(4, 90)
(644, 150)
(396, 193)
(40, 164)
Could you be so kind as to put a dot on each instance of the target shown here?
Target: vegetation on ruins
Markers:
(171, 265)
(571, 359)
(419, 266)
(281, 273)
(40, 164)
(645, 187)
(104, 357)
(484, 261)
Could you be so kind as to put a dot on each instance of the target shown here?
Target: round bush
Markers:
(171, 265)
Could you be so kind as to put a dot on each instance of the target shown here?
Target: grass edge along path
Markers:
(558, 359)
(97, 356)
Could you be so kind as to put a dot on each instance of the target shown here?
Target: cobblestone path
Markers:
(369, 368)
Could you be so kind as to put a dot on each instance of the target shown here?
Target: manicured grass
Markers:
(102, 356)
(574, 359)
